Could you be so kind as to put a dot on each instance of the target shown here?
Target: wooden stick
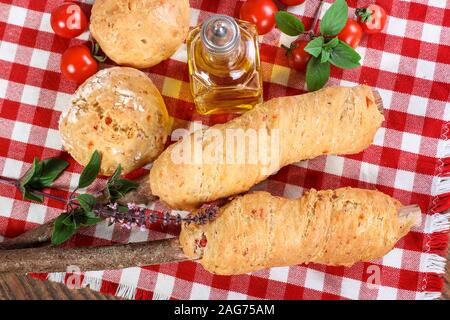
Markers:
(55, 259)
(36, 237)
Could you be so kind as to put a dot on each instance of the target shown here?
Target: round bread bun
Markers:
(119, 112)
(139, 33)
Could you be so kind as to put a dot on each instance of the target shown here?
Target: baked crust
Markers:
(120, 113)
(334, 120)
(139, 33)
(333, 227)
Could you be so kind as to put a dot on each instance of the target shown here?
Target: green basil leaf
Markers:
(69, 221)
(334, 19)
(43, 173)
(324, 56)
(61, 231)
(76, 223)
(23, 190)
(51, 169)
(111, 186)
(314, 47)
(88, 221)
(61, 218)
(317, 74)
(126, 186)
(86, 201)
(107, 192)
(78, 218)
(90, 214)
(116, 174)
(30, 173)
(112, 192)
(27, 179)
(120, 188)
(344, 56)
(38, 170)
(116, 187)
(87, 218)
(333, 42)
(289, 24)
(91, 171)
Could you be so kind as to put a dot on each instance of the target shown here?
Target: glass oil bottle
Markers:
(224, 65)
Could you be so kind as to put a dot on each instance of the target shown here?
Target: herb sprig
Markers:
(325, 49)
(79, 213)
(80, 208)
(84, 214)
(86, 209)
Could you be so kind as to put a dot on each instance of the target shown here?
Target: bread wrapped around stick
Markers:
(335, 120)
(332, 227)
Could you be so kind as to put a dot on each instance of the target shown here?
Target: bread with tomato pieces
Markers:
(332, 227)
(119, 112)
(139, 33)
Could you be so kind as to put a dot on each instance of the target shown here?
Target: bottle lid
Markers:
(220, 33)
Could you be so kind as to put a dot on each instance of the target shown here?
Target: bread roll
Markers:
(139, 33)
(332, 227)
(335, 120)
(120, 113)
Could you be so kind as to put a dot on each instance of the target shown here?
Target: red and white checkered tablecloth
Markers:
(408, 63)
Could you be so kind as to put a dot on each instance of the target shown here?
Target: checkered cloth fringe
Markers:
(408, 63)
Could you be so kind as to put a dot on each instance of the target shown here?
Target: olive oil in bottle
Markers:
(224, 65)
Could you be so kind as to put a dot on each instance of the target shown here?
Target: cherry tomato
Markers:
(351, 34)
(78, 64)
(372, 19)
(292, 2)
(261, 13)
(297, 56)
(68, 20)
